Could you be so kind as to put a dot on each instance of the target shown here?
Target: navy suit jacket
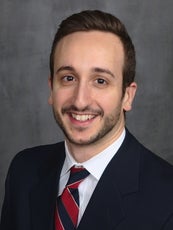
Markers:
(135, 191)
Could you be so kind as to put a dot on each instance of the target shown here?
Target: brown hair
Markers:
(97, 20)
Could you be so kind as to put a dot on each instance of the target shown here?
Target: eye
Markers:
(101, 81)
(68, 78)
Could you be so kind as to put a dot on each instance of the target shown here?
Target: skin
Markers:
(86, 92)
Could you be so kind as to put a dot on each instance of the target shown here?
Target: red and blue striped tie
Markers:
(66, 215)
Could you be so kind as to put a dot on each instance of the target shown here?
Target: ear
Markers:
(129, 96)
(50, 100)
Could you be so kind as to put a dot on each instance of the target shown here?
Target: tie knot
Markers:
(77, 175)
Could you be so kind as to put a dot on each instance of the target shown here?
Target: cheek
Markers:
(110, 102)
(60, 98)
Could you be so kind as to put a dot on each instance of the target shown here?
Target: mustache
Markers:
(87, 109)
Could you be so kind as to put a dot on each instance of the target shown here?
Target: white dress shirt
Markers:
(95, 166)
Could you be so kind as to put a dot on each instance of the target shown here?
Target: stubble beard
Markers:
(108, 125)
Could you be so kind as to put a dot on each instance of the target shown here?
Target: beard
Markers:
(110, 122)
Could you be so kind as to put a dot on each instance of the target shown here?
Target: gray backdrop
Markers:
(26, 32)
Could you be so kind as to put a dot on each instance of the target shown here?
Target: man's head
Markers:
(97, 20)
(91, 55)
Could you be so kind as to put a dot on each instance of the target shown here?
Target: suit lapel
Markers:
(43, 196)
(104, 209)
(121, 177)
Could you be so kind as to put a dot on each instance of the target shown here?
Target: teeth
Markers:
(82, 117)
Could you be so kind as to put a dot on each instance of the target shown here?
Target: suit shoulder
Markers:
(152, 166)
(39, 151)
(32, 158)
(158, 168)
(155, 172)
(153, 161)
(147, 156)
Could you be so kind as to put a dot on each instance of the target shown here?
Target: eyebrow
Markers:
(94, 70)
(102, 70)
(62, 68)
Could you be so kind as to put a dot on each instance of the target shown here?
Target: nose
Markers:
(82, 96)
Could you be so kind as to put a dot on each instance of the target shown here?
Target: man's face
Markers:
(86, 93)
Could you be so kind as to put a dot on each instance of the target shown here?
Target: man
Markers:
(92, 69)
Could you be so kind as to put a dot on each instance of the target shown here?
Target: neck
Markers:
(82, 153)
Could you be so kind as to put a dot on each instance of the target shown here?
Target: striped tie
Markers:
(66, 215)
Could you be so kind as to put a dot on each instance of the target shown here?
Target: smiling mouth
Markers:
(82, 117)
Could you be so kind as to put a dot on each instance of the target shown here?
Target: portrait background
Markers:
(27, 29)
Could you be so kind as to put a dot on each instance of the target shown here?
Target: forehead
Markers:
(91, 37)
(101, 48)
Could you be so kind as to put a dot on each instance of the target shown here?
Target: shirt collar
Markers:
(97, 164)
